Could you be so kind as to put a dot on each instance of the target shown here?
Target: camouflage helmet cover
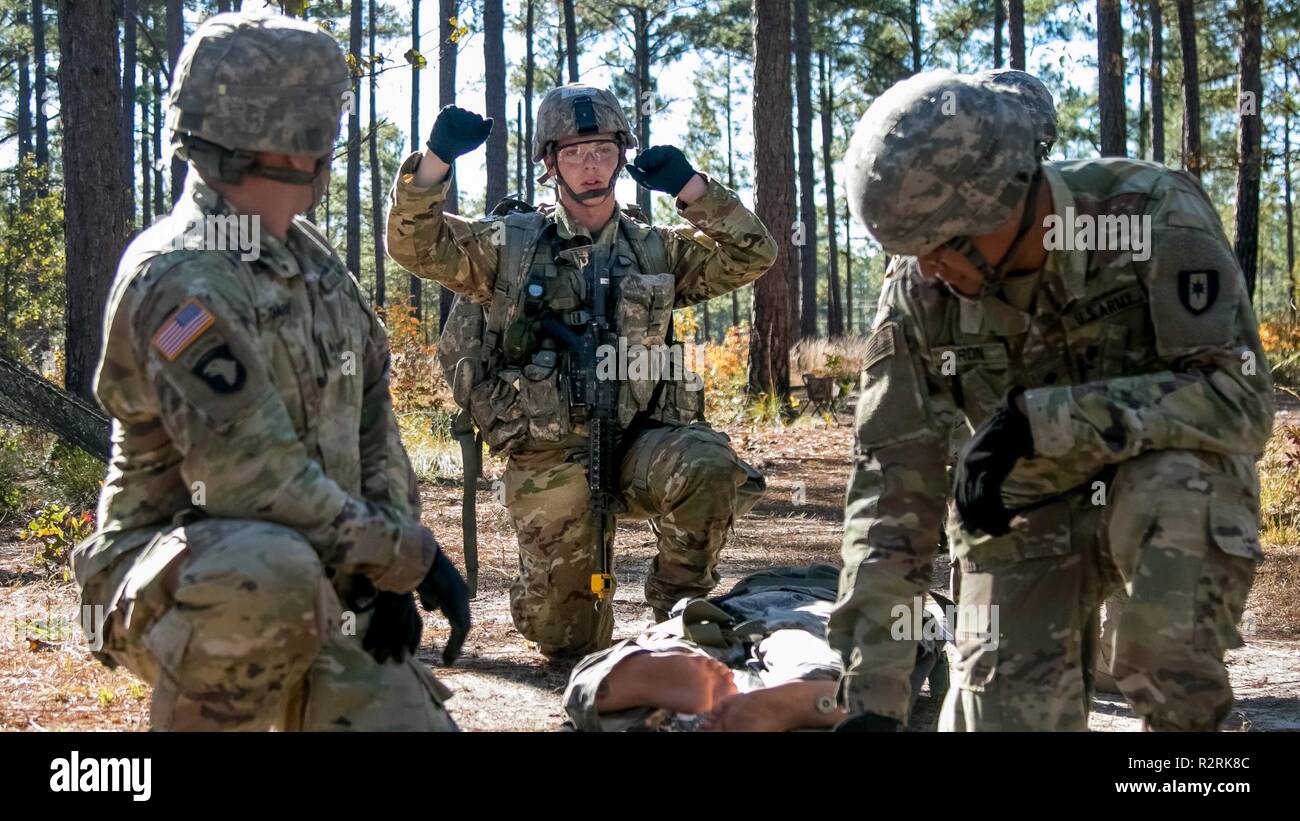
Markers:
(1034, 96)
(938, 156)
(557, 117)
(258, 82)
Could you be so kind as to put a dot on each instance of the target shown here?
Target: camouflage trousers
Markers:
(1179, 533)
(236, 626)
(685, 479)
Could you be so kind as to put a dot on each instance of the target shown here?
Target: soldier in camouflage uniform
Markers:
(675, 469)
(259, 525)
(1118, 398)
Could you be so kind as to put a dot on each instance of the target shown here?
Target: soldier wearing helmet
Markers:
(1036, 99)
(1088, 322)
(260, 532)
(529, 269)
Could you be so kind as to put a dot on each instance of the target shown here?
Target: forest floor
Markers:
(503, 683)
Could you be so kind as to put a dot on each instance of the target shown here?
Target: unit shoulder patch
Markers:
(1198, 289)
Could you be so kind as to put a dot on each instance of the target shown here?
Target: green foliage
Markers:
(31, 267)
(75, 475)
(35, 467)
(769, 409)
(56, 530)
(12, 463)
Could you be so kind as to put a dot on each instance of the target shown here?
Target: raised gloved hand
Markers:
(457, 131)
(662, 168)
(395, 627)
(868, 723)
(444, 589)
(984, 464)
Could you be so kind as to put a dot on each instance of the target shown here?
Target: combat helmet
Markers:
(1036, 99)
(938, 158)
(249, 82)
(575, 110)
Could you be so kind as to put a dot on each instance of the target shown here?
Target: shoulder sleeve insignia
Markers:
(186, 324)
(1197, 290)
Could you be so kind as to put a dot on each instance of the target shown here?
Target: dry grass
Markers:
(840, 357)
(1275, 597)
(50, 680)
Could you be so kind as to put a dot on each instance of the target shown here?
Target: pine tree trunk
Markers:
(24, 98)
(352, 229)
(519, 149)
(97, 215)
(146, 176)
(1249, 97)
(999, 21)
(571, 40)
(774, 202)
(416, 299)
(175, 38)
(1191, 89)
(38, 85)
(129, 42)
(1016, 32)
(834, 309)
(807, 195)
(447, 9)
(641, 32)
(848, 266)
(1155, 76)
(1290, 214)
(915, 25)
(1110, 81)
(494, 77)
(29, 400)
(1143, 127)
(158, 198)
(529, 68)
(559, 56)
(731, 183)
(376, 184)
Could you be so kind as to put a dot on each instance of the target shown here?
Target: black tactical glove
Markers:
(984, 464)
(395, 627)
(868, 723)
(662, 168)
(443, 589)
(456, 132)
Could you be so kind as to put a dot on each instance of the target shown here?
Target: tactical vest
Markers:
(528, 405)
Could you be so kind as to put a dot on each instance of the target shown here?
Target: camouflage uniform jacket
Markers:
(251, 389)
(1119, 355)
(724, 247)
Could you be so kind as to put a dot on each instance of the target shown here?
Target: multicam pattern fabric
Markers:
(1149, 402)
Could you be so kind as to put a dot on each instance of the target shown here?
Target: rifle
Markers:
(600, 396)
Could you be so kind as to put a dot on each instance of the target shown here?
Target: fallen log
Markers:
(29, 400)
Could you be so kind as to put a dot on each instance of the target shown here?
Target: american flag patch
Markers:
(181, 329)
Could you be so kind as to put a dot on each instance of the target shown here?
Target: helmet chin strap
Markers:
(994, 274)
(598, 193)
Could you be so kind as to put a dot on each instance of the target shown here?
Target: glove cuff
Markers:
(441, 154)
